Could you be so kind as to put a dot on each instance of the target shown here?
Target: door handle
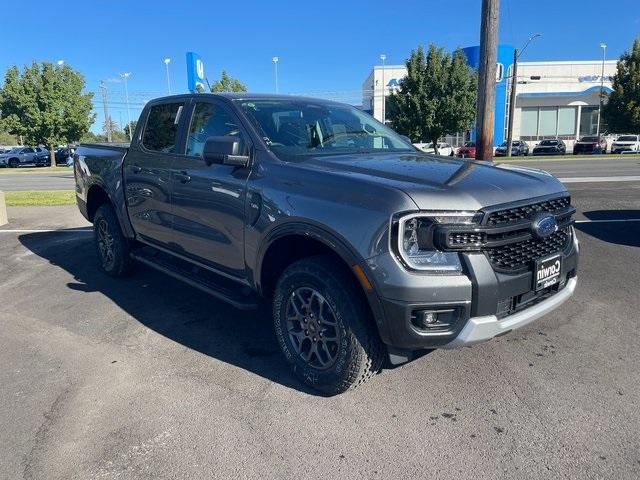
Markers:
(136, 169)
(182, 177)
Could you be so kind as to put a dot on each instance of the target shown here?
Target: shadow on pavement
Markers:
(173, 309)
(618, 232)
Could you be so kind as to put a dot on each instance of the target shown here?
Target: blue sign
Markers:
(195, 73)
(505, 60)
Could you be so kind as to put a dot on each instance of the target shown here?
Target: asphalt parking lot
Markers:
(148, 378)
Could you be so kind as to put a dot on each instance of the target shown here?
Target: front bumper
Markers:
(480, 329)
(478, 298)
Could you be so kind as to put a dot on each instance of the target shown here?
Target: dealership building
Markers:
(555, 99)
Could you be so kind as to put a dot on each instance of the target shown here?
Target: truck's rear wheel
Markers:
(324, 327)
(111, 246)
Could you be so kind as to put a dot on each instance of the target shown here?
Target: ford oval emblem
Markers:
(544, 225)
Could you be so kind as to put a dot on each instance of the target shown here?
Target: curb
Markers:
(3, 210)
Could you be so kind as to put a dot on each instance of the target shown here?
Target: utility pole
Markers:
(487, 79)
(126, 92)
(383, 57)
(107, 119)
(512, 94)
(603, 46)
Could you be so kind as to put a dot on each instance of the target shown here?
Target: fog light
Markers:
(429, 320)
(426, 318)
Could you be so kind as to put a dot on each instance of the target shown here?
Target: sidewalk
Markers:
(36, 218)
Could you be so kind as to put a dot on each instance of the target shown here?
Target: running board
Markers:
(234, 293)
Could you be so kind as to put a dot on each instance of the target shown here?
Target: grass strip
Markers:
(39, 198)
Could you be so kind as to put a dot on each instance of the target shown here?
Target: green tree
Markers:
(134, 123)
(46, 104)
(622, 111)
(437, 97)
(228, 84)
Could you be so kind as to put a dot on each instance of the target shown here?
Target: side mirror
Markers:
(405, 138)
(224, 150)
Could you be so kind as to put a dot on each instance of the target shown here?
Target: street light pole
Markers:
(167, 61)
(126, 93)
(512, 95)
(275, 65)
(383, 57)
(604, 53)
(107, 119)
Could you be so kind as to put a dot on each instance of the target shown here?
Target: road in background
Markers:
(591, 167)
(37, 181)
(145, 377)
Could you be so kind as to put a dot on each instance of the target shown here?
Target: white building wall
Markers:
(377, 84)
(560, 84)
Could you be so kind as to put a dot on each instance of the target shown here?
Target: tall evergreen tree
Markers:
(437, 97)
(46, 104)
(622, 112)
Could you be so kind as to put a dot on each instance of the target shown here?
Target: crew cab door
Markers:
(209, 198)
(147, 172)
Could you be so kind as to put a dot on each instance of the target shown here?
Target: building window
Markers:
(529, 122)
(566, 121)
(541, 122)
(548, 125)
(588, 121)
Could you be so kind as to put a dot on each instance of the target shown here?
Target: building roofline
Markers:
(569, 62)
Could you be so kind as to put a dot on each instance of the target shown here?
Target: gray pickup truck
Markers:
(366, 248)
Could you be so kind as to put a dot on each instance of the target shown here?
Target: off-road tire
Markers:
(359, 352)
(118, 263)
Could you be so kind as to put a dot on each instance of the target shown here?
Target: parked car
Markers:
(550, 147)
(590, 144)
(21, 156)
(518, 148)
(365, 247)
(43, 158)
(63, 154)
(468, 150)
(626, 144)
(443, 148)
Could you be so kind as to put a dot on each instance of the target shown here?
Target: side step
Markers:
(234, 293)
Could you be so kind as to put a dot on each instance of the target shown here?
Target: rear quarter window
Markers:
(161, 131)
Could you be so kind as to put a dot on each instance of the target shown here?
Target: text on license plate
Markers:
(547, 272)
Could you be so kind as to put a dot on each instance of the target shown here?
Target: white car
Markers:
(626, 144)
(443, 148)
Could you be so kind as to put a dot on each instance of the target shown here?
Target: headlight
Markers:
(414, 241)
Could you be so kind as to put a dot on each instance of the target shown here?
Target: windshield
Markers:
(549, 142)
(295, 128)
(627, 138)
(589, 139)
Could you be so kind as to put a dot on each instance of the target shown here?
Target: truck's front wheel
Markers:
(323, 326)
(111, 246)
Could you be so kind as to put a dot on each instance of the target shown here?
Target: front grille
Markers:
(517, 214)
(466, 238)
(521, 255)
(506, 235)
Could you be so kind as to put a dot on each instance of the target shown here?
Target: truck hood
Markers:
(441, 183)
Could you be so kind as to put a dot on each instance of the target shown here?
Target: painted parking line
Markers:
(613, 220)
(627, 178)
(48, 230)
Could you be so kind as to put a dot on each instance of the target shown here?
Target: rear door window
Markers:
(161, 131)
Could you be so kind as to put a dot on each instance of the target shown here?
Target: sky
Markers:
(326, 48)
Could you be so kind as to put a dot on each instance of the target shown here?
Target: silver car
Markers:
(18, 156)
